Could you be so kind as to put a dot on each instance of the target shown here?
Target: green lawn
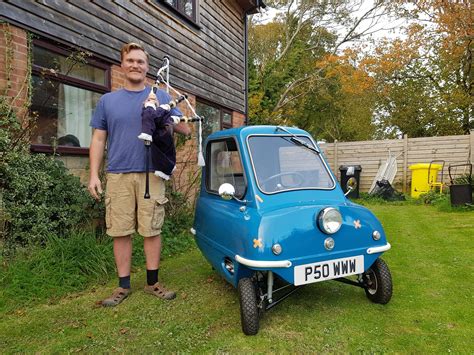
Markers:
(431, 310)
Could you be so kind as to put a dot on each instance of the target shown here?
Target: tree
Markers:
(296, 75)
(424, 82)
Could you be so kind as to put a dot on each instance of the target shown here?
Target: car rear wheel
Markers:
(249, 313)
(378, 282)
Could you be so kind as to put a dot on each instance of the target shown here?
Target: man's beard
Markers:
(135, 80)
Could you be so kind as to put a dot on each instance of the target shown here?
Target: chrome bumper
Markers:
(375, 250)
(263, 263)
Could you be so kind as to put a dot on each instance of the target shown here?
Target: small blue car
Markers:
(271, 217)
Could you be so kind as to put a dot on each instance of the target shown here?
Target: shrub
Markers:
(40, 198)
(433, 198)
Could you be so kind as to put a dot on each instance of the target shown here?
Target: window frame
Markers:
(222, 110)
(40, 71)
(179, 10)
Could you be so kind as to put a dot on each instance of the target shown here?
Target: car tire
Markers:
(378, 282)
(249, 313)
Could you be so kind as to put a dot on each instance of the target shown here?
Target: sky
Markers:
(386, 26)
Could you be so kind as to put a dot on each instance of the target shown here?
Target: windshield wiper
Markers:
(294, 138)
(304, 144)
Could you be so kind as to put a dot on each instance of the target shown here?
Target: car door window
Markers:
(225, 166)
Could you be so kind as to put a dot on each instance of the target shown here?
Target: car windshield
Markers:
(280, 164)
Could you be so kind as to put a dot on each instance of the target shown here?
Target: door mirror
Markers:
(226, 191)
(351, 185)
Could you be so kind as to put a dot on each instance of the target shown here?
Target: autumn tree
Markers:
(298, 75)
(424, 81)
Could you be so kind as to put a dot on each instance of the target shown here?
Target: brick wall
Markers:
(14, 67)
(117, 78)
(238, 119)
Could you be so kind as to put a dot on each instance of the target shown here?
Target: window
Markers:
(225, 166)
(215, 118)
(186, 8)
(66, 88)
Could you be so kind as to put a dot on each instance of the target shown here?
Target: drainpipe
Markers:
(246, 85)
(258, 4)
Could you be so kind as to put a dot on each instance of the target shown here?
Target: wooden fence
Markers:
(370, 155)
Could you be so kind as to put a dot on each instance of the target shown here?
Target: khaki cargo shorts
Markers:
(125, 208)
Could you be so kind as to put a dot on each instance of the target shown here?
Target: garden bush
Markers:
(40, 198)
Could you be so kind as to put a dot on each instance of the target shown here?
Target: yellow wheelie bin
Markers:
(423, 176)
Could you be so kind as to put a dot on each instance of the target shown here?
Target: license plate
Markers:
(327, 270)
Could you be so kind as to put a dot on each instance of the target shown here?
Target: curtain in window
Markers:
(77, 110)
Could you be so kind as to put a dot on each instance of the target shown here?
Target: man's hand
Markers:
(151, 101)
(96, 154)
(95, 188)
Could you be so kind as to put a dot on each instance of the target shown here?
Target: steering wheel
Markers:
(299, 178)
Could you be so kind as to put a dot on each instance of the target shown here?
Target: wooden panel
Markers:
(372, 154)
(180, 55)
(206, 62)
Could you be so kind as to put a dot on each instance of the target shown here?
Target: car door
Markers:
(220, 223)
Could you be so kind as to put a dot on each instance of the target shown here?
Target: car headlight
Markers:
(329, 220)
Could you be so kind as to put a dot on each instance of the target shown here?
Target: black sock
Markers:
(151, 277)
(124, 282)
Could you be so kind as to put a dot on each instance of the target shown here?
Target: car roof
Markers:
(246, 131)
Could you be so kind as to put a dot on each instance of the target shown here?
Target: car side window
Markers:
(224, 166)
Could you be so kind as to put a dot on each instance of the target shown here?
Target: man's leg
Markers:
(123, 255)
(120, 219)
(152, 246)
(151, 215)
(123, 260)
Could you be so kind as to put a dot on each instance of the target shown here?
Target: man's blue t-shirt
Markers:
(120, 114)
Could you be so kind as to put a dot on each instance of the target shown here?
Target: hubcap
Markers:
(371, 282)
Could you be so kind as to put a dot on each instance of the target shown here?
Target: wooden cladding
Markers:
(206, 60)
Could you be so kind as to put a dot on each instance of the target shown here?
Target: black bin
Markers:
(348, 171)
(460, 192)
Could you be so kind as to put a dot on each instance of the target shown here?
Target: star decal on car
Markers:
(257, 243)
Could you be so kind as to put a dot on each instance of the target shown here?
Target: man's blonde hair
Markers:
(131, 46)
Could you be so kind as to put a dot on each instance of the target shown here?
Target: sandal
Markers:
(117, 297)
(160, 291)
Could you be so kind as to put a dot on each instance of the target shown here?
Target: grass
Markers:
(54, 270)
(66, 265)
(430, 312)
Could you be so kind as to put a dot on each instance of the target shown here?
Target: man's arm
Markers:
(96, 155)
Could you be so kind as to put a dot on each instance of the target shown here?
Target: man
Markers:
(117, 122)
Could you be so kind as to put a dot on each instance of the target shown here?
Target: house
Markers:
(70, 53)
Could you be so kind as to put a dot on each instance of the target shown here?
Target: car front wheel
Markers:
(249, 313)
(378, 282)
